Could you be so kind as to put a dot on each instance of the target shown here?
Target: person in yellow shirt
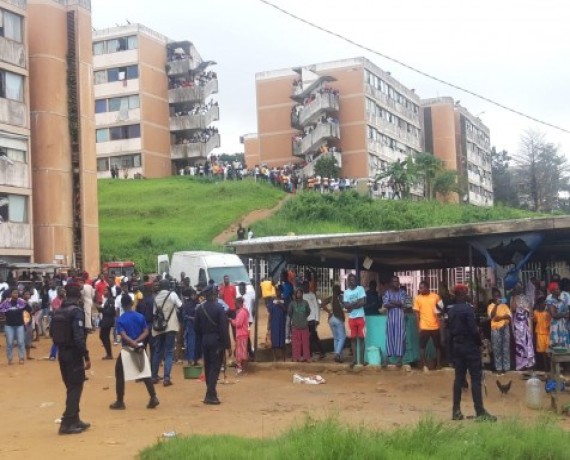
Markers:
(542, 319)
(427, 306)
(500, 316)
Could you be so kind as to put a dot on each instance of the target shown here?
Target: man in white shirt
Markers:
(87, 293)
(3, 286)
(164, 341)
(313, 320)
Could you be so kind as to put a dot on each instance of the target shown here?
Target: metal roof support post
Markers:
(471, 272)
(257, 280)
(357, 267)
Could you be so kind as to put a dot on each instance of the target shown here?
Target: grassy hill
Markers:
(311, 213)
(142, 218)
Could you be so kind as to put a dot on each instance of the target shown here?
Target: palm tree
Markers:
(402, 175)
(428, 168)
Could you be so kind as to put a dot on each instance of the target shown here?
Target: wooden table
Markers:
(555, 360)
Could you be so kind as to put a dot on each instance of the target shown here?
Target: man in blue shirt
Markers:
(354, 300)
(133, 329)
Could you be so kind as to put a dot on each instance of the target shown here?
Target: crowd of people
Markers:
(197, 81)
(199, 136)
(518, 328)
(196, 109)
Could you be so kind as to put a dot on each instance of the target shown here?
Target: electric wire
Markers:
(414, 69)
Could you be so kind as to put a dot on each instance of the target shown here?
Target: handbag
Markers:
(159, 321)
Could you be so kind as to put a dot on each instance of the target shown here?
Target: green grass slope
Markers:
(311, 213)
(142, 218)
(429, 439)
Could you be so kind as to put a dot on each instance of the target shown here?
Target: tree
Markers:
(503, 179)
(446, 182)
(427, 167)
(541, 172)
(327, 166)
(402, 175)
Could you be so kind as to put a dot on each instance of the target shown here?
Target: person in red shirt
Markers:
(227, 293)
(101, 287)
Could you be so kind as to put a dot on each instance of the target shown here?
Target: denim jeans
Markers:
(163, 349)
(17, 333)
(338, 332)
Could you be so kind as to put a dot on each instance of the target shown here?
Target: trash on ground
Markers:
(310, 380)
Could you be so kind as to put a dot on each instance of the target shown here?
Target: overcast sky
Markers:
(515, 52)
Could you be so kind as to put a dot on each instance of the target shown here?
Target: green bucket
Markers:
(192, 372)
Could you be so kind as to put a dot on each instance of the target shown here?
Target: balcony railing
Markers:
(198, 121)
(193, 93)
(181, 67)
(194, 149)
(15, 235)
(327, 102)
(312, 141)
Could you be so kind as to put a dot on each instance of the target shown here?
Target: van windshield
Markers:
(236, 274)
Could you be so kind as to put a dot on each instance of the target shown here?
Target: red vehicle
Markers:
(118, 268)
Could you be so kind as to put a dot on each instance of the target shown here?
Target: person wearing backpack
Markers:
(68, 333)
(165, 326)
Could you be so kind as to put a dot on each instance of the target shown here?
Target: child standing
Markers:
(299, 311)
(542, 319)
(241, 324)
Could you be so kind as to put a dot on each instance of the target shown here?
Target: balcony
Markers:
(312, 141)
(323, 103)
(198, 121)
(194, 149)
(180, 67)
(193, 93)
(15, 235)
(14, 175)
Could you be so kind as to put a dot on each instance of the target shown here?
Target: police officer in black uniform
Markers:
(465, 344)
(68, 332)
(211, 326)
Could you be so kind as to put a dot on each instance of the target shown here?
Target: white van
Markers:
(202, 266)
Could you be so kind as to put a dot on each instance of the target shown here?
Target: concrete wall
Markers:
(51, 151)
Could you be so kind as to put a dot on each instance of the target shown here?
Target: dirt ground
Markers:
(260, 404)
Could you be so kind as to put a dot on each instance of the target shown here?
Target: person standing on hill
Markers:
(240, 232)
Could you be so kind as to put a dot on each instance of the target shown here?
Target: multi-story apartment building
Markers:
(152, 112)
(16, 230)
(350, 108)
(48, 187)
(462, 141)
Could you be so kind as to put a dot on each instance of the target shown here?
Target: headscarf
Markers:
(552, 286)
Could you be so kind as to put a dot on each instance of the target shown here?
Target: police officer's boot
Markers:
(456, 414)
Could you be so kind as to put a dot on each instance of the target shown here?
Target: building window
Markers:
(102, 164)
(102, 135)
(115, 45)
(126, 161)
(11, 86)
(124, 132)
(115, 104)
(13, 208)
(13, 154)
(11, 25)
(116, 74)
(100, 105)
